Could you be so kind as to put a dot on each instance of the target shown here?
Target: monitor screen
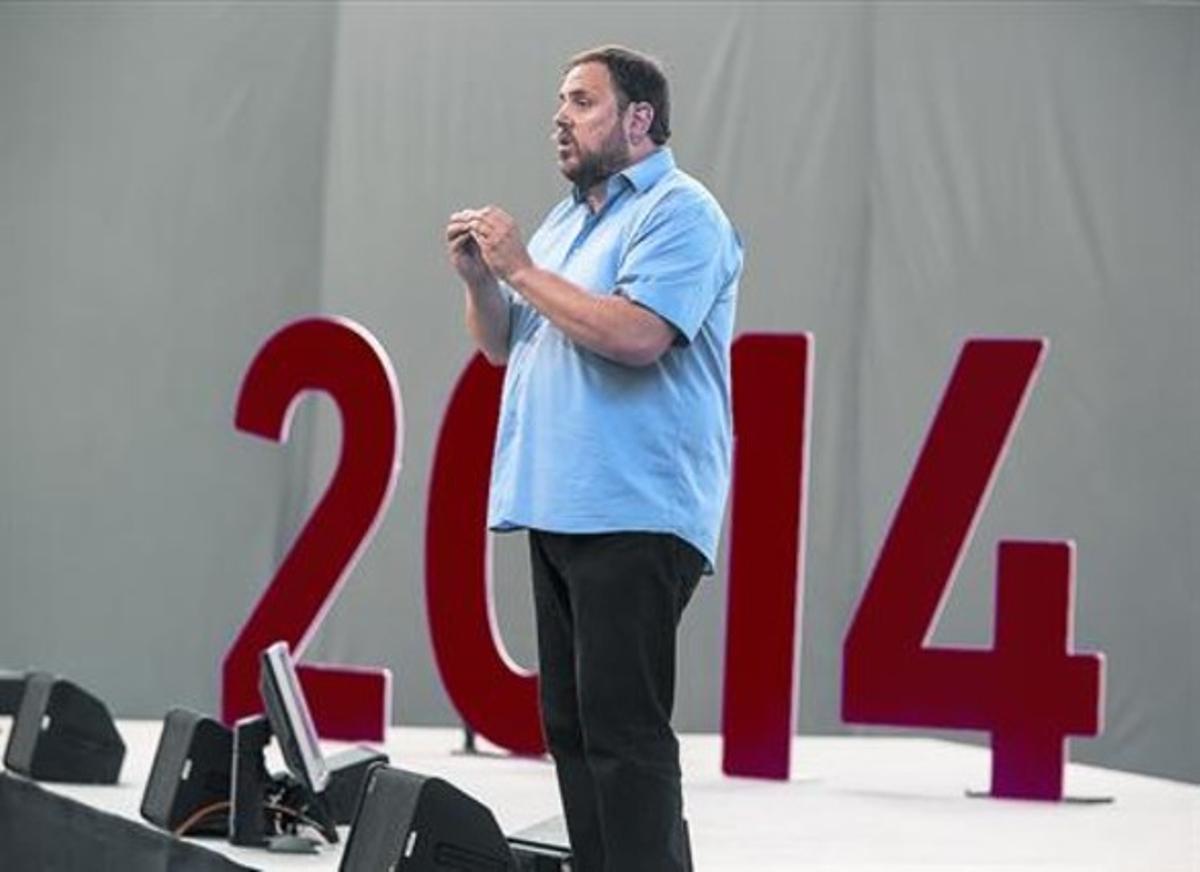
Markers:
(290, 718)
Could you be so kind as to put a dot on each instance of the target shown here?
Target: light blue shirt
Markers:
(588, 445)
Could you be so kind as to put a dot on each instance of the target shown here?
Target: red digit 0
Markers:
(493, 695)
(1029, 691)
(339, 357)
(771, 378)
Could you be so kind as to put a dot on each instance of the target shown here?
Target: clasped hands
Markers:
(486, 242)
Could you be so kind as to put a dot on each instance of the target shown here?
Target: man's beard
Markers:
(596, 166)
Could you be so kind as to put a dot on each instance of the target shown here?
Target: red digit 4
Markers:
(1029, 691)
(339, 357)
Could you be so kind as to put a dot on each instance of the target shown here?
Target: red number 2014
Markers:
(1028, 691)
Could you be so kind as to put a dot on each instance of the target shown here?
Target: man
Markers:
(614, 440)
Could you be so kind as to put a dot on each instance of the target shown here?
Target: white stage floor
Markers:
(855, 803)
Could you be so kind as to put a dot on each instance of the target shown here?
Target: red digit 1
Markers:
(1029, 691)
(344, 360)
(494, 696)
(771, 378)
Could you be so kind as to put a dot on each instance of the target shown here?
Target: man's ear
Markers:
(641, 116)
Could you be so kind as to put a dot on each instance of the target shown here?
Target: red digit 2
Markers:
(341, 358)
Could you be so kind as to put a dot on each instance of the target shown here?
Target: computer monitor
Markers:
(290, 718)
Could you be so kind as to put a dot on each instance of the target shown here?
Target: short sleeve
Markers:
(678, 261)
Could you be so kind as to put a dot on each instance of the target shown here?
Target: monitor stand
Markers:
(265, 807)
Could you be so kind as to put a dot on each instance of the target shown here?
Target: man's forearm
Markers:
(488, 320)
(609, 325)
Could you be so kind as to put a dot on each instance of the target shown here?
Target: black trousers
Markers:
(607, 608)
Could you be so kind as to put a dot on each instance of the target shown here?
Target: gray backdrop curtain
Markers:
(176, 181)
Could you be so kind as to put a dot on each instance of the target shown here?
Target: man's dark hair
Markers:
(637, 78)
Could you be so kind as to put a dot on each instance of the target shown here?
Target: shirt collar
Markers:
(650, 169)
(641, 175)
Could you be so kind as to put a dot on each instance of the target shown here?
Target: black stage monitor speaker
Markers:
(347, 773)
(63, 733)
(188, 788)
(409, 823)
